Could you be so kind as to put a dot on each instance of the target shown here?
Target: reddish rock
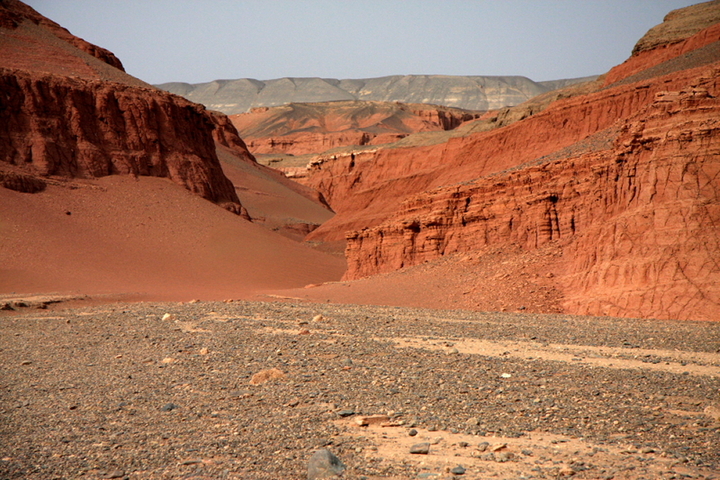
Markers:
(70, 111)
(13, 13)
(624, 181)
(299, 129)
(76, 128)
(645, 59)
(638, 220)
(366, 188)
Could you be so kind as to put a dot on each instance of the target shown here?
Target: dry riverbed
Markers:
(164, 391)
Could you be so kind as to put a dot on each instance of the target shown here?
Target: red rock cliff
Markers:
(639, 221)
(75, 128)
(299, 129)
(65, 113)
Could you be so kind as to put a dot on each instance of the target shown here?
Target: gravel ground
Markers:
(126, 391)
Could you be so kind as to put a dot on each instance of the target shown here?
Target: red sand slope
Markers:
(146, 237)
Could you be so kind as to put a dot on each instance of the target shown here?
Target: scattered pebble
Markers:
(420, 448)
(324, 464)
(264, 376)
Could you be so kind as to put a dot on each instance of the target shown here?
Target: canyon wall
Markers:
(623, 180)
(300, 129)
(68, 110)
(639, 222)
(368, 187)
(76, 128)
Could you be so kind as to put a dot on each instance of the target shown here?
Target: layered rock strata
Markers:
(625, 181)
(299, 129)
(75, 128)
(640, 221)
(69, 111)
(469, 92)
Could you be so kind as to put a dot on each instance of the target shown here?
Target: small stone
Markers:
(6, 306)
(346, 413)
(169, 407)
(168, 316)
(420, 448)
(506, 375)
(25, 362)
(566, 471)
(482, 446)
(191, 461)
(713, 411)
(194, 300)
(453, 351)
(267, 375)
(372, 420)
(115, 474)
(459, 470)
(412, 432)
(204, 351)
(324, 464)
(318, 318)
(304, 331)
(437, 440)
(527, 453)
(463, 444)
(503, 457)
(647, 450)
(473, 421)
(498, 447)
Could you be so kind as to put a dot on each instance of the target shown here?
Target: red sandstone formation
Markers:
(85, 210)
(298, 129)
(623, 180)
(69, 115)
(14, 13)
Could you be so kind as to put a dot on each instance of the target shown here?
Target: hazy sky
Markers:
(202, 40)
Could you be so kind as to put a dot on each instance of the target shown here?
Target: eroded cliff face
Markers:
(75, 128)
(638, 222)
(313, 128)
(369, 187)
(68, 110)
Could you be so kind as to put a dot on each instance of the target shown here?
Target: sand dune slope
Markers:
(147, 238)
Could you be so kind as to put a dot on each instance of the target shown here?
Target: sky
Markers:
(198, 41)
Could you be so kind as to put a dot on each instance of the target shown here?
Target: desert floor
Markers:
(166, 390)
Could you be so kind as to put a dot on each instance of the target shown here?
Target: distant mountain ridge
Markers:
(467, 92)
